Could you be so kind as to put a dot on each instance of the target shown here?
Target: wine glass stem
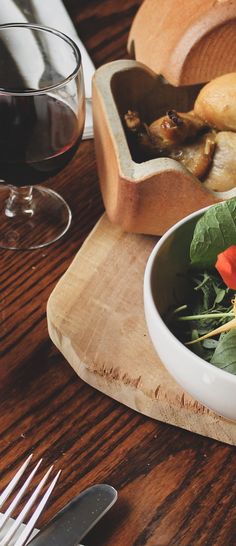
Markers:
(20, 201)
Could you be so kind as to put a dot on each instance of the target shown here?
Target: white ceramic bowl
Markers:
(163, 285)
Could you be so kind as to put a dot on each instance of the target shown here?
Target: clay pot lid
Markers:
(187, 41)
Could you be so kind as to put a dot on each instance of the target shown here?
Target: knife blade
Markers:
(77, 518)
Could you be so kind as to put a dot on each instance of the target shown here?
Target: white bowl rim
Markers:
(204, 365)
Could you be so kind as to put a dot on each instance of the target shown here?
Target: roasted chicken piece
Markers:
(133, 121)
(222, 174)
(176, 128)
(179, 136)
(145, 146)
(167, 131)
(196, 156)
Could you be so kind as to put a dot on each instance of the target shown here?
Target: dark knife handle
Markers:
(78, 517)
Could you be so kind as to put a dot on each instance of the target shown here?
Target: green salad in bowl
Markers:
(189, 303)
(207, 321)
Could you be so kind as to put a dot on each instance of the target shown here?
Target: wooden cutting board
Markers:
(96, 319)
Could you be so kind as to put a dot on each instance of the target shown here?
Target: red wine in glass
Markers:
(40, 136)
(42, 112)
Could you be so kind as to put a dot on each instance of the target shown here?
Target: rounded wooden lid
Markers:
(187, 41)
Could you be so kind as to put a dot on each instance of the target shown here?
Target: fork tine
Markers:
(19, 495)
(31, 523)
(25, 510)
(7, 491)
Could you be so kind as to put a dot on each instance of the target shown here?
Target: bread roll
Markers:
(216, 103)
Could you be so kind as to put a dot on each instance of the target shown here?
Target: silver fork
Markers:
(24, 535)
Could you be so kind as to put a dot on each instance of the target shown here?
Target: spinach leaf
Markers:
(209, 306)
(210, 292)
(224, 356)
(214, 232)
(199, 349)
(210, 343)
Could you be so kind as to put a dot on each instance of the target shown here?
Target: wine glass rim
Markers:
(50, 30)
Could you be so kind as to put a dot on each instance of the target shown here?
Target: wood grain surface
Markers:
(175, 488)
(96, 319)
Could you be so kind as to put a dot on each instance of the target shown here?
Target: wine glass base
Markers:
(44, 223)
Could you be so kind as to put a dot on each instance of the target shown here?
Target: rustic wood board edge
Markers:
(69, 315)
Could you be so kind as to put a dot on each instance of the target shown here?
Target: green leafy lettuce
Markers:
(214, 232)
(210, 304)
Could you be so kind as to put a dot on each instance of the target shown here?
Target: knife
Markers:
(77, 518)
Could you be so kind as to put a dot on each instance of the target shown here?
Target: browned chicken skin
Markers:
(175, 128)
(196, 156)
(179, 136)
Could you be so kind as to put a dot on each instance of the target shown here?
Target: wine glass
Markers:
(42, 112)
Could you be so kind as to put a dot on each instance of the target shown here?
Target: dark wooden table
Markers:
(175, 488)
